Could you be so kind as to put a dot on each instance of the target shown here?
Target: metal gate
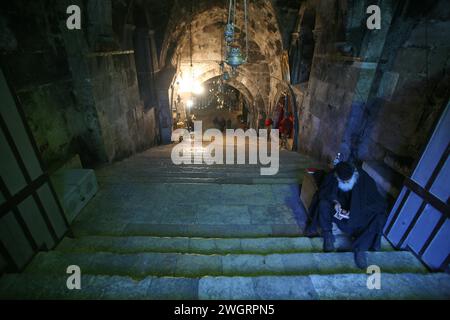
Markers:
(31, 218)
(419, 220)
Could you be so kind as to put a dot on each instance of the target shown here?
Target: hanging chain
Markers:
(229, 12)
(234, 13)
(246, 29)
(190, 32)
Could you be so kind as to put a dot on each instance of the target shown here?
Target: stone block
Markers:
(222, 288)
(191, 265)
(173, 289)
(282, 288)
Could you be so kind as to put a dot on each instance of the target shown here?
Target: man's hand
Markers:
(337, 206)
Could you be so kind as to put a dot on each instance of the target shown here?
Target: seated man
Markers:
(349, 198)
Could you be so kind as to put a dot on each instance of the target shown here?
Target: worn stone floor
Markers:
(149, 195)
(160, 231)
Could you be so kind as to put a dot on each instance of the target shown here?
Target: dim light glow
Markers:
(191, 86)
(190, 103)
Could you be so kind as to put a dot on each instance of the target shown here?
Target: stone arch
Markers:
(242, 82)
(208, 22)
(251, 92)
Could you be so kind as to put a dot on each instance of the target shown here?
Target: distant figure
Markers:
(285, 127)
(223, 124)
(268, 123)
(261, 122)
(216, 123)
(190, 124)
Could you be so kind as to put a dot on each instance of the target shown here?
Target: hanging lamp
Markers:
(234, 56)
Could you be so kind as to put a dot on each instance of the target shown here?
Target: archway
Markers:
(242, 82)
(194, 47)
(221, 105)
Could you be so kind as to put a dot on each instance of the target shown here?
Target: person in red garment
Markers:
(285, 128)
(268, 123)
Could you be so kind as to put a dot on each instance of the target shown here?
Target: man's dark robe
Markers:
(367, 211)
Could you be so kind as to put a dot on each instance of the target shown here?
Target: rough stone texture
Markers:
(221, 288)
(404, 286)
(420, 60)
(36, 66)
(126, 127)
(326, 287)
(378, 102)
(75, 104)
(284, 288)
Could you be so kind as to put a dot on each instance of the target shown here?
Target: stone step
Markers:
(35, 287)
(175, 194)
(201, 245)
(202, 173)
(141, 265)
(263, 180)
(341, 286)
(143, 162)
(393, 286)
(325, 287)
(125, 228)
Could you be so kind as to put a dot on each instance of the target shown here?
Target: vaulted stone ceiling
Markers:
(256, 78)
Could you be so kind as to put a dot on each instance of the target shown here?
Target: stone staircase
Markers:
(157, 231)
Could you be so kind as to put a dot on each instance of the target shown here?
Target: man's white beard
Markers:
(348, 185)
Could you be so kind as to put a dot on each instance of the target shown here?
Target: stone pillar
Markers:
(294, 55)
(154, 65)
(154, 51)
(144, 67)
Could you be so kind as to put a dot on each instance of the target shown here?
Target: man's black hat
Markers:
(344, 170)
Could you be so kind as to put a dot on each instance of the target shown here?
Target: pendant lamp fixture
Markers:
(234, 56)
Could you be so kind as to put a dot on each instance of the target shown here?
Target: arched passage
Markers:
(224, 105)
(242, 82)
(194, 47)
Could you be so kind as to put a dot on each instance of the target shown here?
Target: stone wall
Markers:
(78, 88)
(331, 92)
(412, 86)
(34, 60)
(126, 127)
(374, 95)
